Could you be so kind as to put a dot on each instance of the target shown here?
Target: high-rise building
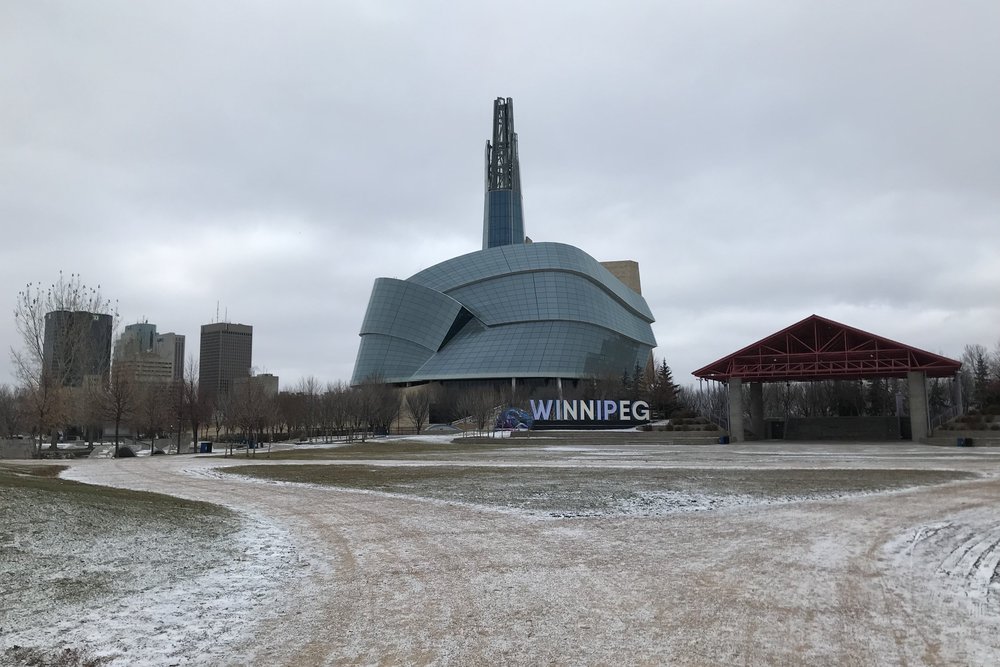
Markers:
(172, 345)
(150, 356)
(503, 218)
(226, 351)
(76, 345)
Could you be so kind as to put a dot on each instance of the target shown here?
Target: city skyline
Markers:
(760, 163)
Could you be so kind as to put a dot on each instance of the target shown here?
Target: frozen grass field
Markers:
(111, 574)
(565, 550)
(585, 491)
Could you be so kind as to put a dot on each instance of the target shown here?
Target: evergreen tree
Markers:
(663, 398)
(879, 400)
(640, 386)
(977, 358)
(937, 397)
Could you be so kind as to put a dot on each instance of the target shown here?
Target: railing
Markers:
(707, 405)
(944, 416)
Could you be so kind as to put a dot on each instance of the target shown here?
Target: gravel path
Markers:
(896, 578)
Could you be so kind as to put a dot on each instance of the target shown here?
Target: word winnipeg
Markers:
(555, 410)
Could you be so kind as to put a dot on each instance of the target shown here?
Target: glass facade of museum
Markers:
(504, 223)
(536, 310)
(515, 309)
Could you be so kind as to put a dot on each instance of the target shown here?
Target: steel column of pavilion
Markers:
(820, 349)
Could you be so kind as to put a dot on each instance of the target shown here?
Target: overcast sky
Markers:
(761, 161)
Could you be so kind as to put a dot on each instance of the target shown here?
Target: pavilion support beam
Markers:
(736, 410)
(757, 410)
(917, 381)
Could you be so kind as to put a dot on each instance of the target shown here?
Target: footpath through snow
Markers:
(907, 577)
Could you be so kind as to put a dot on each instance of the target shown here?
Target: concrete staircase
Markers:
(983, 430)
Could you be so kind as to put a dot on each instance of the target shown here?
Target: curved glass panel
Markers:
(480, 265)
(388, 359)
(535, 349)
(409, 311)
(550, 295)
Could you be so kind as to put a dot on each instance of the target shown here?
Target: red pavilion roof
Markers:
(820, 349)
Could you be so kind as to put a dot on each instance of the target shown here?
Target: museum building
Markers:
(514, 311)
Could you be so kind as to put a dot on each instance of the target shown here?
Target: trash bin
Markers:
(965, 442)
(204, 447)
(723, 439)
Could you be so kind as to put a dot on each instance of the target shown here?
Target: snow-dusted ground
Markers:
(905, 577)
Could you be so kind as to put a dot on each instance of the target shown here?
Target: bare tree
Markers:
(175, 409)
(150, 413)
(118, 397)
(338, 404)
(269, 415)
(220, 411)
(357, 412)
(193, 406)
(247, 410)
(710, 400)
(373, 406)
(10, 418)
(331, 410)
(85, 407)
(309, 389)
(418, 405)
(383, 400)
(481, 405)
(45, 381)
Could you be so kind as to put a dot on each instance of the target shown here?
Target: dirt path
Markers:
(387, 580)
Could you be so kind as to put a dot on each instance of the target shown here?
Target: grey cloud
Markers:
(761, 161)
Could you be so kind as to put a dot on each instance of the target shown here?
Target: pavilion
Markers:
(820, 349)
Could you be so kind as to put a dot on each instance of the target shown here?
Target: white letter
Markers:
(641, 410)
(542, 409)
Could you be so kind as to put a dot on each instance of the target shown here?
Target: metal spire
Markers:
(503, 220)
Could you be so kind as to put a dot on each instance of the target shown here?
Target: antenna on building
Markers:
(217, 310)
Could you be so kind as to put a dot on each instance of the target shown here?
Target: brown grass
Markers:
(595, 490)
